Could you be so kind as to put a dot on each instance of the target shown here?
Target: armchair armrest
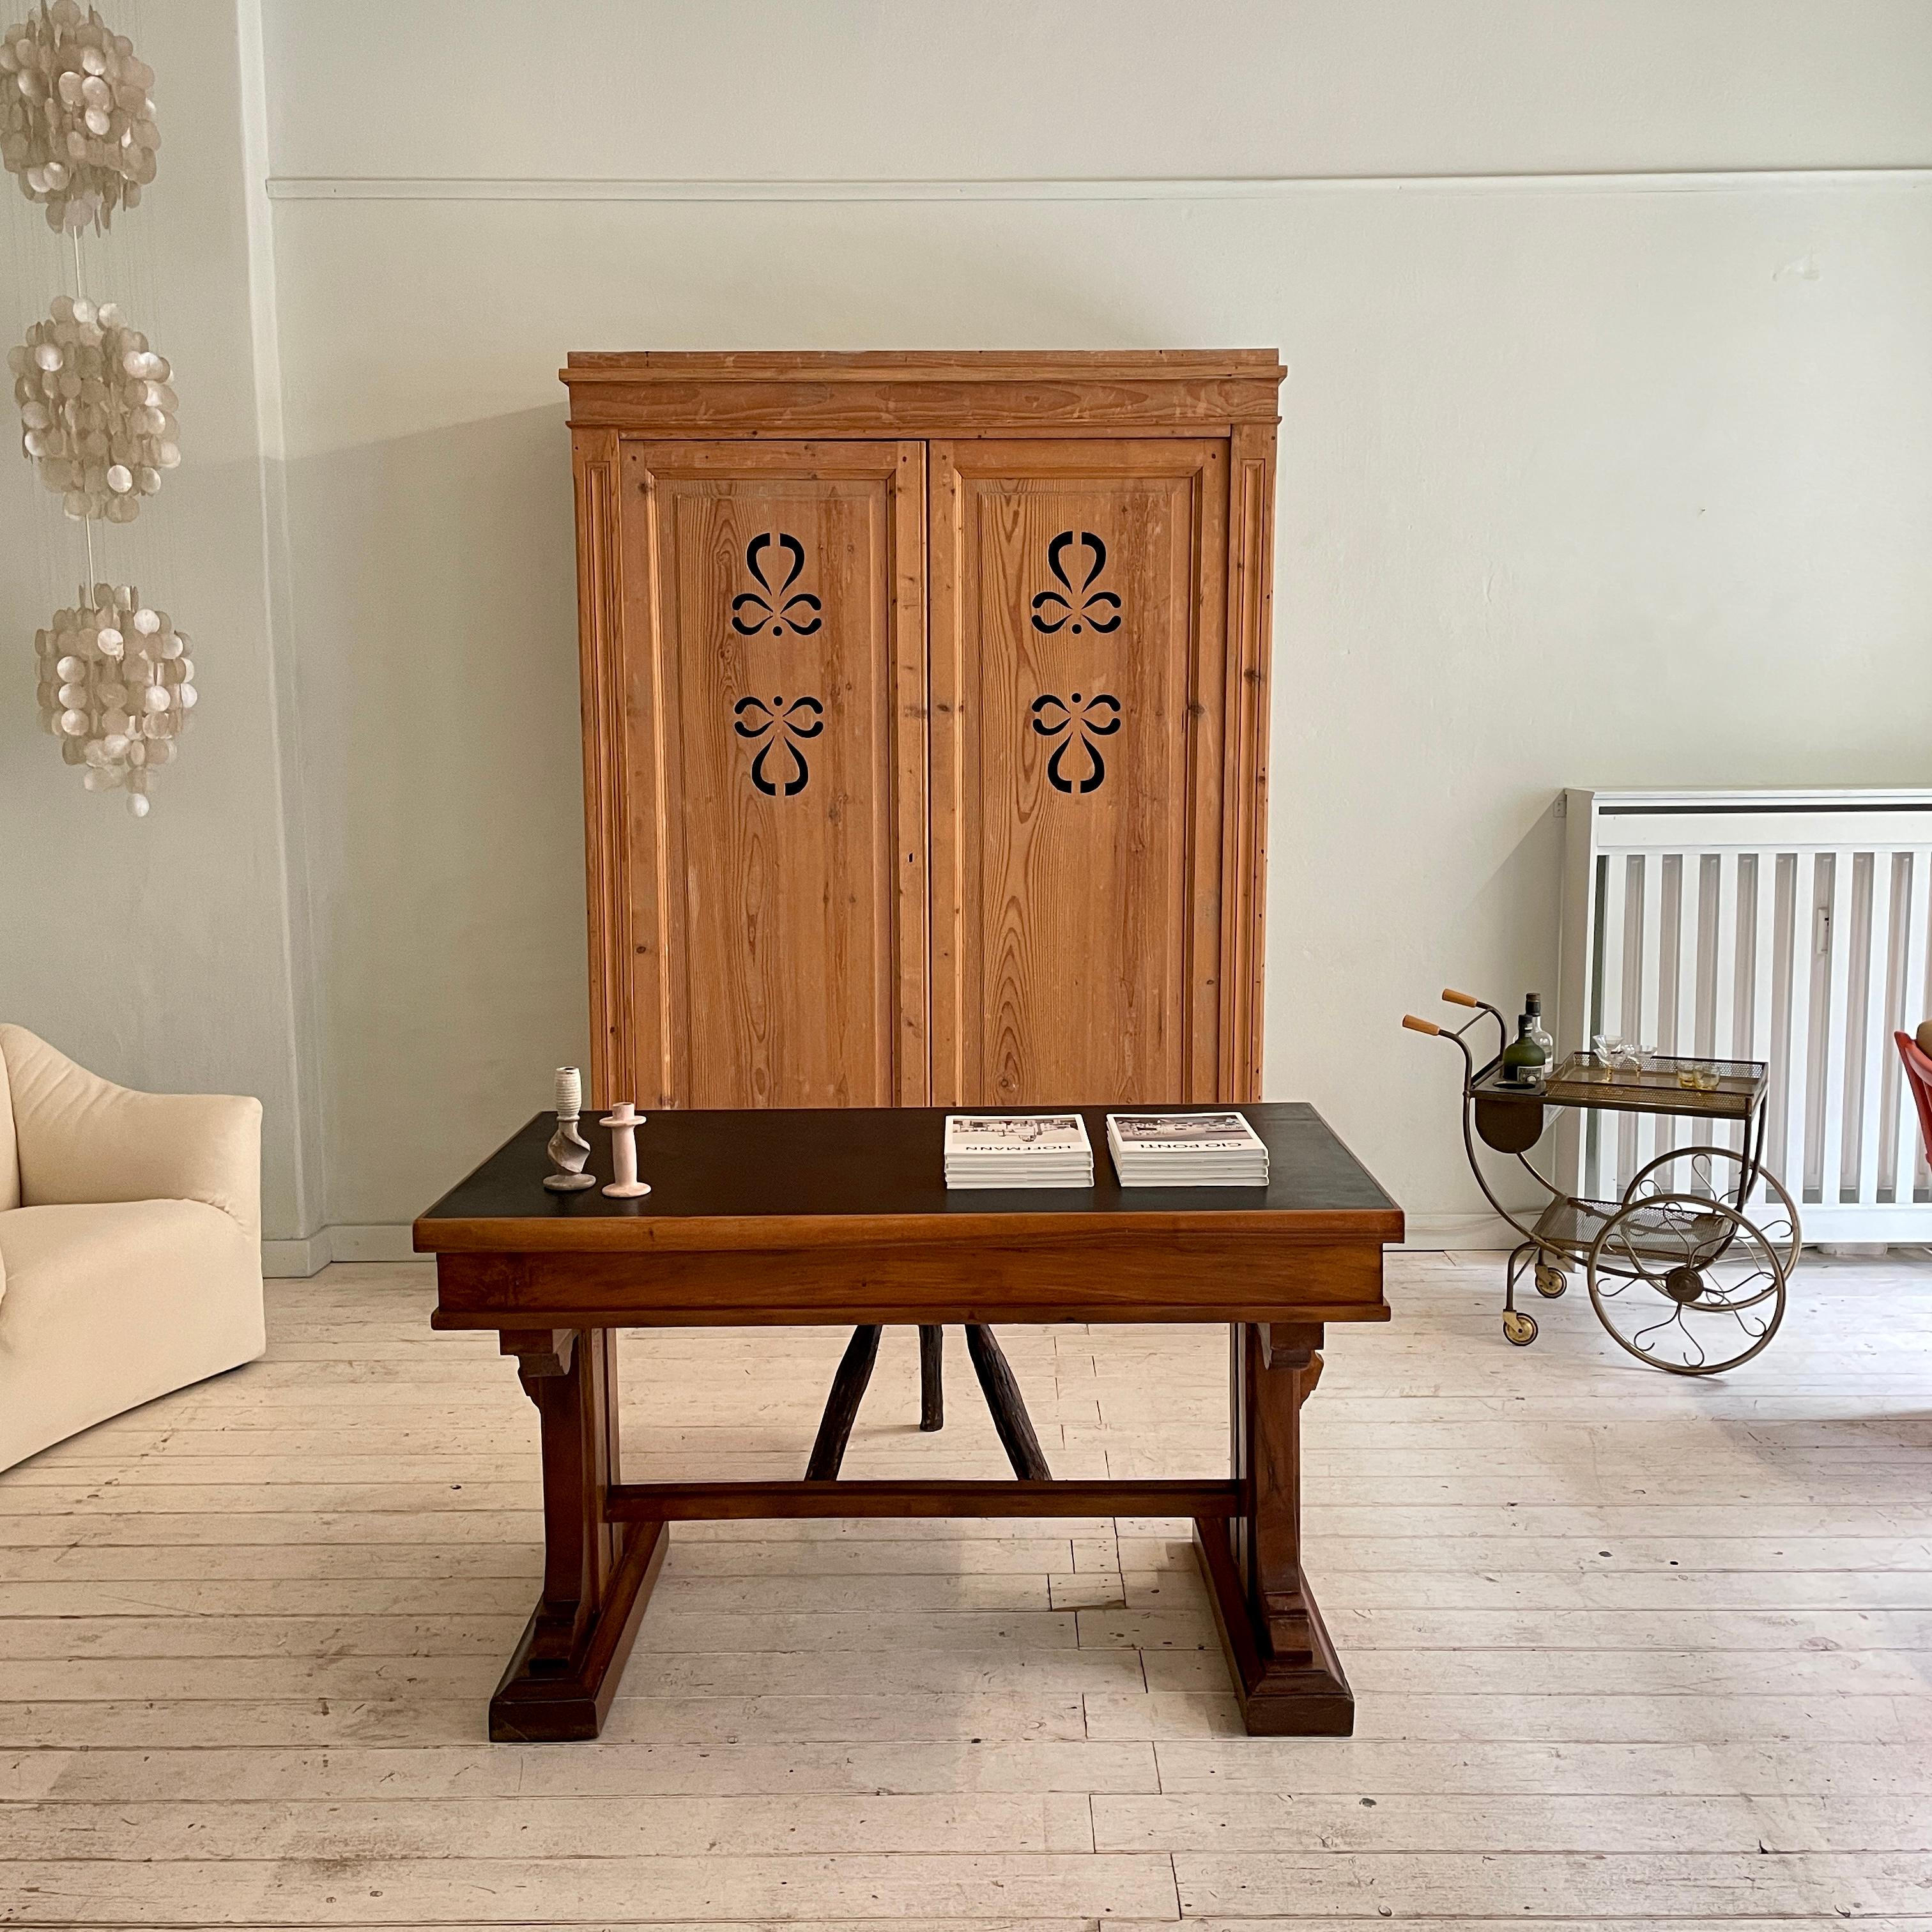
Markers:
(83, 1138)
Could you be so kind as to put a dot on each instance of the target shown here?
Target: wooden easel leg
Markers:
(1008, 1407)
(1285, 1671)
(841, 1405)
(932, 1365)
(597, 1575)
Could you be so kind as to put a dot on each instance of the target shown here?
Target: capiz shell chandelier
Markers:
(76, 122)
(116, 687)
(96, 409)
(77, 131)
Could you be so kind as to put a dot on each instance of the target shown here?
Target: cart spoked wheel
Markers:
(1686, 1283)
(1701, 1171)
(1519, 1327)
(1551, 1281)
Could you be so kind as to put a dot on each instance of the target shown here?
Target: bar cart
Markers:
(1688, 1268)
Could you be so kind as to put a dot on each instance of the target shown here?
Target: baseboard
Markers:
(1483, 1234)
(1472, 1234)
(1476, 1232)
(353, 1243)
(345, 1243)
(282, 1260)
(339, 1242)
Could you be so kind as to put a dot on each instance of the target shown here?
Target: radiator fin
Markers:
(1798, 932)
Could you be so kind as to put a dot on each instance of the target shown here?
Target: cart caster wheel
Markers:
(1550, 1281)
(1519, 1328)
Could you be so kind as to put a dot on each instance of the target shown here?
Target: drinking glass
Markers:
(1621, 1055)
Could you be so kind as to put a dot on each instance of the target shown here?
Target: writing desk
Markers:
(841, 1217)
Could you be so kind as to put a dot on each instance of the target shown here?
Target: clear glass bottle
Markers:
(1532, 1011)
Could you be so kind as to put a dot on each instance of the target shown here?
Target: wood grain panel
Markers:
(739, 1502)
(1016, 1276)
(928, 915)
(1079, 590)
(1250, 553)
(1063, 392)
(607, 773)
(773, 665)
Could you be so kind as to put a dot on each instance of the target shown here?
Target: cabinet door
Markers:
(773, 672)
(1077, 617)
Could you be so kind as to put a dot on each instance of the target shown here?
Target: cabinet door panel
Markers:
(774, 674)
(1077, 602)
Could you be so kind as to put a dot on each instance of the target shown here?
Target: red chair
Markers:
(1918, 1071)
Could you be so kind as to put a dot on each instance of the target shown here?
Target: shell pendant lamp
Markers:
(97, 409)
(76, 122)
(116, 687)
(96, 403)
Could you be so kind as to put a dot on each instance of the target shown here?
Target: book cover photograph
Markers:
(1186, 1151)
(1018, 1150)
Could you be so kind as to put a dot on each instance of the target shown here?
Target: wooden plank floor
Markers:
(1630, 1650)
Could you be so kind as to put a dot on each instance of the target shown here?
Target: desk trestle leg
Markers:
(1286, 1670)
(597, 1574)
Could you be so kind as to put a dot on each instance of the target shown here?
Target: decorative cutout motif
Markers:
(1079, 603)
(752, 613)
(1078, 723)
(784, 727)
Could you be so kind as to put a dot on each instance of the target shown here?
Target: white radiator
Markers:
(1789, 927)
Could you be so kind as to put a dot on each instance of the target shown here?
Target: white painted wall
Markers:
(1613, 472)
(806, 89)
(158, 953)
(1614, 482)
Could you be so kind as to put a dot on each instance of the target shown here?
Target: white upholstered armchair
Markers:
(131, 1257)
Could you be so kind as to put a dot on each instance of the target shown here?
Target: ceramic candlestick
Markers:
(568, 1150)
(624, 1120)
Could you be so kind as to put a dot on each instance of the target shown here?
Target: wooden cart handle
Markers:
(1456, 999)
(1415, 1025)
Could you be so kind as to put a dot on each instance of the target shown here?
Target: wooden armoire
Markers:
(925, 725)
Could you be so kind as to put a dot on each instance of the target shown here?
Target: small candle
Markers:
(569, 1092)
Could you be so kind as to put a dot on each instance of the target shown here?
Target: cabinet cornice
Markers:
(872, 392)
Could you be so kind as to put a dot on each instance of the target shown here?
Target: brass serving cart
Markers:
(1688, 1269)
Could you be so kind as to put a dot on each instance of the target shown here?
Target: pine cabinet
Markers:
(925, 722)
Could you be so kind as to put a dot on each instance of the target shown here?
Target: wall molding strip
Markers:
(1260, 187)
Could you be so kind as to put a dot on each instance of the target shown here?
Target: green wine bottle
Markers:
(1524, 1062)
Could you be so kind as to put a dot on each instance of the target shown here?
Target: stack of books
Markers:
(1018, 1150)
(1186, 1151)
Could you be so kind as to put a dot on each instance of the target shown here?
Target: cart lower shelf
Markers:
(1570, 1226)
